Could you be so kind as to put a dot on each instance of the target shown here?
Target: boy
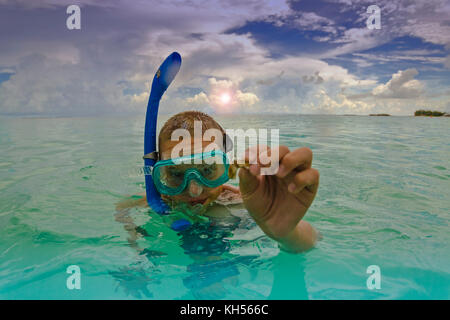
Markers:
(277, 203)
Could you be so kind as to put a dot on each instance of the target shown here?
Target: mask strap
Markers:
(152, 155)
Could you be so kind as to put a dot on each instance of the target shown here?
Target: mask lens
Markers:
(172, 176)
(206, 170)
(212, 168)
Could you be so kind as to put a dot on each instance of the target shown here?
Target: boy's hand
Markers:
(278, 202)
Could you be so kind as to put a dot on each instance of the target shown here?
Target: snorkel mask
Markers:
(172, 176)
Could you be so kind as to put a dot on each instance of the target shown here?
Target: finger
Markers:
(299, 158)
(248, 183)
(268, 155)
(269, 159)
(308, 179)
(262, 156)
(248, 157)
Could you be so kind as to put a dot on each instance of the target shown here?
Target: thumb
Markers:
(248, 183)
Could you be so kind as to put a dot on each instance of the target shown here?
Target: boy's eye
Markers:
(175, 173)
(208, 171)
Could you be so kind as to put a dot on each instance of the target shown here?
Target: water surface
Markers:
(383, 200)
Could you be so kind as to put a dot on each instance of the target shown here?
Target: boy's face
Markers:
(194, 193)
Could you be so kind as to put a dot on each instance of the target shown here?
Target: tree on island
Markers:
(429, 113)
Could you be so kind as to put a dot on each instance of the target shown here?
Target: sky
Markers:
(254, 56)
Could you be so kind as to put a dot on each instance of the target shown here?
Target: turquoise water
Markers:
(384, 200)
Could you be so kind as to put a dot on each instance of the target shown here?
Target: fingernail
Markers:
(291, 187)
(252, 158)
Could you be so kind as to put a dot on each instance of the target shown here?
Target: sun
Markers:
(225, 98)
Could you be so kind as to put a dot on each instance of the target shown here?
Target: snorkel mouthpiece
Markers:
(161, 81)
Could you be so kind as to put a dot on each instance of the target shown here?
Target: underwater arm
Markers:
(302, 238)
(137, 200)
(128, 224)
(123, 216)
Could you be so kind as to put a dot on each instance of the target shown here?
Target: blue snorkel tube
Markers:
(161, 81)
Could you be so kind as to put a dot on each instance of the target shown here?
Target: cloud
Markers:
(316, 78)
(401, 86)
(427, 20)
(214, 100)
(312, 21)
(427, 56)
(246, 99)
(337, 104)
(199, 100)
(107, 67)
(447, 62)
(356, 40)
(41, 85)
(270, 81)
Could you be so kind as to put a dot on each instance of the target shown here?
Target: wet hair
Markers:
(185, 120)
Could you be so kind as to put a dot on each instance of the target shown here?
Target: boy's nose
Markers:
(194, 189)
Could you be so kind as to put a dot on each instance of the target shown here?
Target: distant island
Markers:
(379, 115)
(430, 113)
